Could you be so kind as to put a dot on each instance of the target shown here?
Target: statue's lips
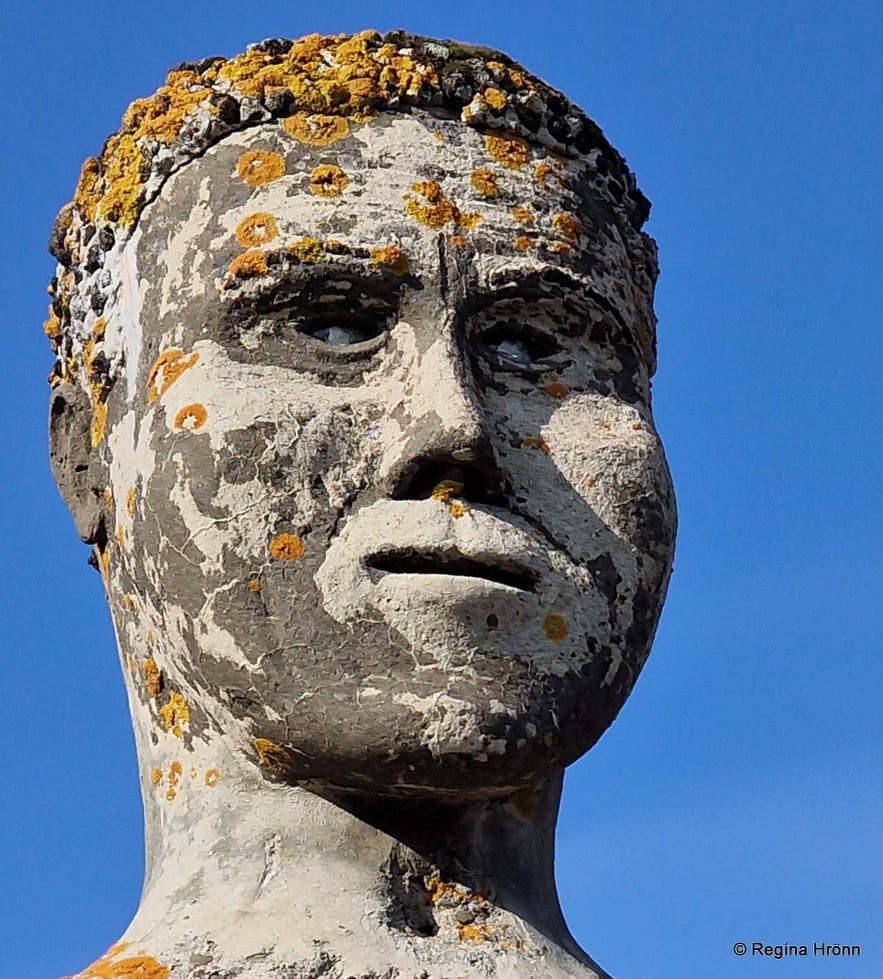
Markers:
(450, 561)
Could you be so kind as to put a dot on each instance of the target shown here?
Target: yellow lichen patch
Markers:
(495, 99)
(176, 770)
(99, 420)
(328, 180)
(554, 627)
(152, 677)
(167, 368)
(120, 538)
(256, 229)
(545, 174)
(260, 167)
(457, 241)
(127, 602)
(52, 326)
(508, 151)
(99, 328)
(315, 129)
(248, 265)
(122, 180)
(156, 776)
(175, 714)
(211, 778)
(555, 389)
(445, 490)
(566, 225)
(456, 509)
(104, 565)
(254, 586)
(473, 933)
(523, 243)
(438, 210)
(484, 181)
(193, 774)
(286, 547)
(522, 215)
(308, 250)
(191, 417)
(150, 637)
(391, 257)
(130, 501)
(439, 135)
(271, 755)
(536, 442)
(140, 966)
(88, 192)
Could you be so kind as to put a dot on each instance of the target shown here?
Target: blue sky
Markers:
(738, 796)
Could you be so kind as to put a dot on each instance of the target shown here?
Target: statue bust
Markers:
(352, 402)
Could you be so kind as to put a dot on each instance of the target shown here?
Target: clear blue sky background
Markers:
(738, 796)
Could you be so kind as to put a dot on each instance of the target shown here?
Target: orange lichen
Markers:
(271, 755)
(456, 509)
(523, 243)
(391, 257)
(535, 442)
(286, 547)
(328, 180)
(156, 776)
(495, 99)
(256, 229)
(308, 250)
(457, 241)
(191, 417)
(522, 215)
(140, 966)
(248, 265)
(175, 772)
(122, 179)
(88, 192)
(473, 933)
(542, 174)
(554, 627)
(438, 210)
(316, 129)
(52, 326)
(127, 602)
(175, 714)
(508, 151)
(153, 680)
(254, 586)
(484, 181)
(120, 538)
(446, 489)
(99, 328)
(130, 501)
(150, 637)
(566, 225)
(555, 389)
(260, 167)
(167, 368)
(99, 420)
(211, 778)
(590, 481)
(439, 135)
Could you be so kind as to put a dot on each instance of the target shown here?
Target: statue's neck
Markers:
(247, 871)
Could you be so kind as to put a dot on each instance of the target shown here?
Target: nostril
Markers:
(480, 481)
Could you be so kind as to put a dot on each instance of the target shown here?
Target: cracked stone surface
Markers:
(354, 340)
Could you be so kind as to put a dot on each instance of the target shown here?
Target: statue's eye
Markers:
(511, 349)
(342, 334)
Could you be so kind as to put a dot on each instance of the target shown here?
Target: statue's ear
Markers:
(74, 465)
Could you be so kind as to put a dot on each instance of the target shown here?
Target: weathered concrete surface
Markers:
(354, 407)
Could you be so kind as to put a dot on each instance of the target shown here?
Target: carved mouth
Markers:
(504, 571)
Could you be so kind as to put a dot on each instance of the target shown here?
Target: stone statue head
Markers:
(354, 341)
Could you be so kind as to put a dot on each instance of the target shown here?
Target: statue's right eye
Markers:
(339, 333)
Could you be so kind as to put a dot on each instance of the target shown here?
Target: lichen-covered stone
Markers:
(356, 416)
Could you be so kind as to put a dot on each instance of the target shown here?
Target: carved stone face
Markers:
(385, 485)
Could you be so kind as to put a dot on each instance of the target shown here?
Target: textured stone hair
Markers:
(313, 85)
